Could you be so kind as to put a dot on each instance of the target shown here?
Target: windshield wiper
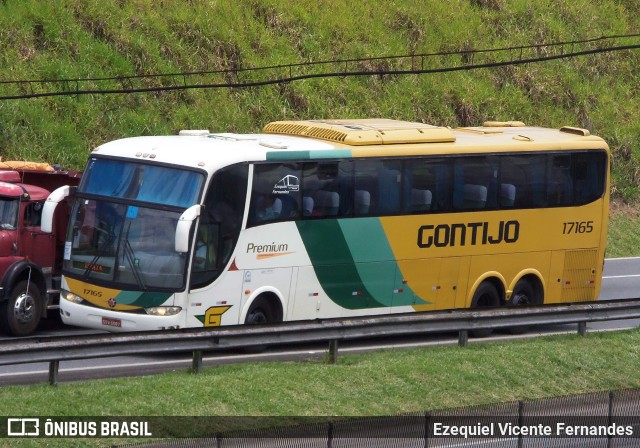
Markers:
(130, 256)
(92, 264)
(128, 253)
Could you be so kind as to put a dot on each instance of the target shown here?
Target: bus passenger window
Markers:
(507, 195)
(420, 200)
(276, 194)
(560, 186)
(475, 183)
(427, 185)
(327, 203)
(325, 189)
(589, 175)
(361, 202)
(389, 187)
(522, 181)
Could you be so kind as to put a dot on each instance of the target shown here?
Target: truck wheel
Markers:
(21, 314)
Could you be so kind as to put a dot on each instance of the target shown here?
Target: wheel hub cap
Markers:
(24, 308)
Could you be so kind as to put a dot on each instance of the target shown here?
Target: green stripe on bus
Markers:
(334, 265)
(142, 299)
(307, 155)
(375, 261)
(355, 264)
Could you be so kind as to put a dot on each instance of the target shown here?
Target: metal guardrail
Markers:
(66, 348)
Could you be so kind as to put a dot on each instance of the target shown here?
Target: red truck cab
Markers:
(30, 259)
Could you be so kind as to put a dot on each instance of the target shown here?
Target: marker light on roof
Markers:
(273, 144)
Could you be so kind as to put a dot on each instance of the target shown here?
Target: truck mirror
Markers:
(183, 229)
(50, 205)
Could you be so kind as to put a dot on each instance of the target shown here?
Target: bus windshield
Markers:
(136, 181)
(123, 225)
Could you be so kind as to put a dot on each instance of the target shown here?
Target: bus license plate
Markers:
(109, 322)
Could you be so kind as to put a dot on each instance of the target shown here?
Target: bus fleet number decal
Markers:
(577, 227)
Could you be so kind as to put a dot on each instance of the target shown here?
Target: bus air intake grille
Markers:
(305, 131)
(363, 132)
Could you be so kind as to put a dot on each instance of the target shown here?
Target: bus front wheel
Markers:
(259, 313)
(486, 296)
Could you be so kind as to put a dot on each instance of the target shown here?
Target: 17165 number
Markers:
(577, 227)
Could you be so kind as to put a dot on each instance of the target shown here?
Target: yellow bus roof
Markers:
(365, 135)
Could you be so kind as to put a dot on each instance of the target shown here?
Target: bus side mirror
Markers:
(183, 229)
(50, 205)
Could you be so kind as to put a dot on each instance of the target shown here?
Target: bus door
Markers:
(214, 299)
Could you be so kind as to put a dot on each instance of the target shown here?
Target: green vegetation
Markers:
(91, 38)
(382, 383)
(624, 233)
(74, 39)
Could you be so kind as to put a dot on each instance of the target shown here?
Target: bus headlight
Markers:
(163, 310)
(71, 297)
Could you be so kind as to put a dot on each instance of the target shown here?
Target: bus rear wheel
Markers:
(486, 296)
(20, 315)
(524, 294)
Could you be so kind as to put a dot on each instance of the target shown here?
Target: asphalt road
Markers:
(621, 280)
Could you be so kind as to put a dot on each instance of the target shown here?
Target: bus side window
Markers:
(475, 184)
(324, 188)
(389, 187)
(365, 183)
(560, 182)
(427, 185)
(276, 194)
(588, 175)
(522, 180)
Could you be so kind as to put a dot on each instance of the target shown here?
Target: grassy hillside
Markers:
(91, 38)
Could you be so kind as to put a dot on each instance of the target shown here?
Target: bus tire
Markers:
(20, 314)
(486, 296)
(260, 312)
(524, 294)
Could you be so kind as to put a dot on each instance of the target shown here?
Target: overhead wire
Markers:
(410, 64)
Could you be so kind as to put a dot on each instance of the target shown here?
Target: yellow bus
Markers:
(333, 218)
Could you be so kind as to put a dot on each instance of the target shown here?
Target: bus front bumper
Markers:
(115, 321)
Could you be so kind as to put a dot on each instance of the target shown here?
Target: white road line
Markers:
(607, 277)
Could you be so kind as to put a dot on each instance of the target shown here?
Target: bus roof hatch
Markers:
(364, 131)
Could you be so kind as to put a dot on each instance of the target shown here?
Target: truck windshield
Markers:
(9, 213)
(123, 223)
